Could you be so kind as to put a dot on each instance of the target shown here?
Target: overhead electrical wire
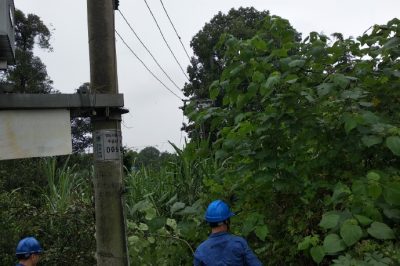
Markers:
(173, 26)
(162, 34)
(141, 61)
(150, 53)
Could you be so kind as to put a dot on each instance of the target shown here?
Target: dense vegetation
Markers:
(306, 148)
(302, 140)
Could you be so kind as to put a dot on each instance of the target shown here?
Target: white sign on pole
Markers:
(34, 133)
(107, 145)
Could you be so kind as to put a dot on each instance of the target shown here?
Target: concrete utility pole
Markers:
(110, 218)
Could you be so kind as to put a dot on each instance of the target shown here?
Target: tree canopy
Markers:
(208, 61)
(29, 75)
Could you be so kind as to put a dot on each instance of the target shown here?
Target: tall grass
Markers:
(177, 180)
(64, 183)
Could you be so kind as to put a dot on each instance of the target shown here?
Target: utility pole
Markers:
(111, 241)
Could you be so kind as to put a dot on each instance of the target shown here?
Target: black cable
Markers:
(145, 47)
(173, 26)
(137, 57)
(162, 34)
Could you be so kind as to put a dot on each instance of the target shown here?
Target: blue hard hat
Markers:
(218, 211)
(28, 246)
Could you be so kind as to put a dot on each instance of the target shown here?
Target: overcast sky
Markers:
(155, 117)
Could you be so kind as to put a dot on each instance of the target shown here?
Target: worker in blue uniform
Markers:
(28, 252)
(222, 248)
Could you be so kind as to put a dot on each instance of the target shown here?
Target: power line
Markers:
(162, 34)
(137, 57)
(145, 47)
(173, 26)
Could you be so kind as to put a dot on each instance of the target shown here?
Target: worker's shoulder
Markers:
(238, 239)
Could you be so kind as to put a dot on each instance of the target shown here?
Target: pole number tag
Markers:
(107, 145)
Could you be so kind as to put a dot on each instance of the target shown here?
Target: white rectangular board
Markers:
(34, 133)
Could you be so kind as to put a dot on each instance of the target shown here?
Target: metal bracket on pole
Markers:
(83, 105)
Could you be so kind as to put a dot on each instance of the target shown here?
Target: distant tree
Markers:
(166, 157)
(81, 131)
(29, 75)
(208, 62)
(148, 157)
(129, 157)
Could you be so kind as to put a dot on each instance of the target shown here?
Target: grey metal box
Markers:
(7, 33)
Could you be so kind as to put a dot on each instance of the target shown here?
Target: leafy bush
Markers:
(309, 130)
(165, 210)
(62, 218)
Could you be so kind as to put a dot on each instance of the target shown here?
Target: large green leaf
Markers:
(259, 43)
(177, 206)
(359, 188)
(352, 94)
(261, 232)
(340, 191)
(150, 214)
(393, 143)
(143, 227)
(374, 190)
(392, 214)
(258, 77)
(214, 90)
(324, 89)
(237, 69)
(317, 253)
(369, 118)
(391, 193)
(292, 78)
(333, 244)
(371, 140)
(305, 244)
(363, 220)
(341, 80)
(350, 233)
(392, 43)
(297, 63)
(172, 223)
(271, 82)
(373, 176)
(350, 122)
(329, 220)
(381, 231)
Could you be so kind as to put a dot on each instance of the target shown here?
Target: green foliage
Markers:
(148, 157)
(303, 145)
(165, 210)
(22, 173)
(30, 30)
(381, 231)
(351, 233)
(30, 74)
(60, 214)
(304, 131)
(333, 244)
(208, 62)
(317, 253)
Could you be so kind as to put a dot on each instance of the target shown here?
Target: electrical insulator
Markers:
(116, 4)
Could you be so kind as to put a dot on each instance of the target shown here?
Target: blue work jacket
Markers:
(223, 249)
